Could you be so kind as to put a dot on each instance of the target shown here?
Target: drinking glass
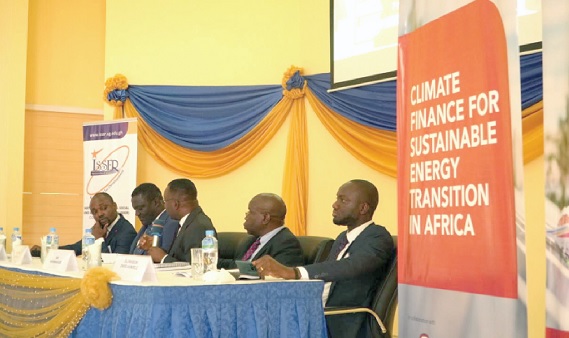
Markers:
(197, 263)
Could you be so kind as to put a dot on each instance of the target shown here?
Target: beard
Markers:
(346, 220)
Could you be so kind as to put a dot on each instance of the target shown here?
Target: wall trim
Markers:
(64, 109)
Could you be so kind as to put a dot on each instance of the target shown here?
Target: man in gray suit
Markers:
(356, 263)
(180, 200)
(264, 222)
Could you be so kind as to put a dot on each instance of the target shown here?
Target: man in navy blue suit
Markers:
(109, 224)
(148, 205)
(357, 261)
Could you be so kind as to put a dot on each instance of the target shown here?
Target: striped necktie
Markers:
(252, 249)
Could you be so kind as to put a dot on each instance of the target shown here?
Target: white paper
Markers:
(3, 256)
(21, 254)
(135, 268)
(61, 260)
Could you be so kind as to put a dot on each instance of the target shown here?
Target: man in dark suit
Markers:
(265, 223)
(356, 262)
(148, 205)
(180, 200)
(109, 224)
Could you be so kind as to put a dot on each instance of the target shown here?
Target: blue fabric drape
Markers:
(531, 79)
(211, 118)
(204, 118)
(373, 105)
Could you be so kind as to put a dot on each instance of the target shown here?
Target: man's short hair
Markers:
(149, 191)
(104, 195)
(183, 187)
(369, 193)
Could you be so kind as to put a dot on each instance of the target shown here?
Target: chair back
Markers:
(385, 300)
(227, 243)
(315, 248)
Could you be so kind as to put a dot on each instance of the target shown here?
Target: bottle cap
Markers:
(1, 229)
(209, 232)
(88, 231)
(16, 229)
(52, 229)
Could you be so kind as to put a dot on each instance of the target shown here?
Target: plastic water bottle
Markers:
(16, 237)
(51, 240)
(155, 231)
(209, 249)
(2, 238)
(88, 239)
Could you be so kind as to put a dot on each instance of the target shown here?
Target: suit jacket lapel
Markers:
(191, 218)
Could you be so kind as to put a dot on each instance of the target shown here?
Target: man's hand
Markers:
(157, 254)
(145, 242)
(268, 266)
(99, 230)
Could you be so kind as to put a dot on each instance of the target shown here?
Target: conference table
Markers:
(177, 306)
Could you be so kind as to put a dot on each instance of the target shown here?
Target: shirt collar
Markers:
(352, 235)
(110, 227)
(267, 237)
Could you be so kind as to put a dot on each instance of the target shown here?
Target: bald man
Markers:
(264, 222)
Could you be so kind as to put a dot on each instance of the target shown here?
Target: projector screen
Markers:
(364, 34)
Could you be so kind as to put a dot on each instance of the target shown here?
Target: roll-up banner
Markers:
(460, 184)
(110, 155)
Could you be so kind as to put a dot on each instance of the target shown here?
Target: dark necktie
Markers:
(341, 242)
(252, 249)
(174, 239)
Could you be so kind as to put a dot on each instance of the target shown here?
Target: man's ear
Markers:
(364, 208)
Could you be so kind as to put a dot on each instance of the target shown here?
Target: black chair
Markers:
(384, 302)
(315, 248)
(227, 243)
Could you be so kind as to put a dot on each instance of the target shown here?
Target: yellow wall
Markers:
(239, 43)
(13, 37)
(66, 53)
(535, 246)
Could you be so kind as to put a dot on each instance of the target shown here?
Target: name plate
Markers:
(61, 260)
(3, 256)
(21, 255)
(135, 268)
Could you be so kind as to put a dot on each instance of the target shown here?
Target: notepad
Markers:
(247, 270)
(172, 266)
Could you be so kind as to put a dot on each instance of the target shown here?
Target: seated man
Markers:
(265, 223)
(180, 200)
(148, 206)
(355, 260)
(109, 224)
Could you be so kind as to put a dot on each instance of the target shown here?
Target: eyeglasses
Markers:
(170, 199)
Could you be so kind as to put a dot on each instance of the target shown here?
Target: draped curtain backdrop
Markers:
(206, 132)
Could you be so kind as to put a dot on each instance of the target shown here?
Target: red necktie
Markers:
(252, 249)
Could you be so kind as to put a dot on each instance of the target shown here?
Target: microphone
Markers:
(156, 232)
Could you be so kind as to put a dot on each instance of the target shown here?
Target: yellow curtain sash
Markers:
(45, 306)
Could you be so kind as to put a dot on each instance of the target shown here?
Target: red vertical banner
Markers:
(455, 163)
(457, 200)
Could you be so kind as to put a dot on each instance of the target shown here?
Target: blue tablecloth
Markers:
(267, 309)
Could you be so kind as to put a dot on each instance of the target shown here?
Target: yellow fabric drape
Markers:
(532, 131)
(295, 181)
(44, 306)
(373, 147)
